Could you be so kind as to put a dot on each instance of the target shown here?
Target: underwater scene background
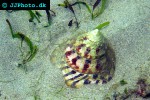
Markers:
(34, 55)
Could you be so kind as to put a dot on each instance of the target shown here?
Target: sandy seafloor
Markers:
(128, 32)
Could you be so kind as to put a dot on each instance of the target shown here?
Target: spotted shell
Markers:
(85, 59)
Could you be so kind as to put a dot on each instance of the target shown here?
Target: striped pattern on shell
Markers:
(85, 59)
